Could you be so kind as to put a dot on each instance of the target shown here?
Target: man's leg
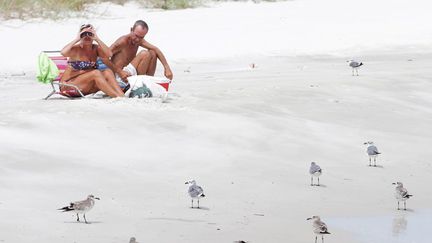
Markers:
(145, 63)
(152, 65)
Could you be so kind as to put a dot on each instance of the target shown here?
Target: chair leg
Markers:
(52, 92)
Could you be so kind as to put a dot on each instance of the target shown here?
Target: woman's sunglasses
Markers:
(84, 34)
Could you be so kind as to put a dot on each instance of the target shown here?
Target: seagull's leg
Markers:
(353, 72)
(192, 203)
(357, 71)
(322, 238)
(370, 161)
(85, 220)
(404, 205)
(398, 205)
(375, 161)
(311, 180)
(316, 237)
(318, 181)
(198, 202)
(77, 218)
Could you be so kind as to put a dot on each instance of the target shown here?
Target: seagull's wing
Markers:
(80, 205)
(353, 64)
(322, 227)
(372, 150)
(314, 168)
(403, 192)
(67, 208)
(195, 191)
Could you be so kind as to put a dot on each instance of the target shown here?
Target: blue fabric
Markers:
(100, 65)
(82, 65)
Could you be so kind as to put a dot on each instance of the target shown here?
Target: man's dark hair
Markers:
(141, 23)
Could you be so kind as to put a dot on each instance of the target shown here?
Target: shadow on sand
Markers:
(378, 166)
(82, 222)
(320, 185)
(177, 219)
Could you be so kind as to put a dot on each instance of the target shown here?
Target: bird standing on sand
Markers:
(133, 240)
(315, 171)
(354, 65)
(401, 194)
(372, 151)
(81, 206)
(319, 228)
(195, 192)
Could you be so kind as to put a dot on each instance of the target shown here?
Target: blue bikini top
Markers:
(83, 65)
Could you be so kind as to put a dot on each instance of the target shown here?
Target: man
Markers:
(126, 62)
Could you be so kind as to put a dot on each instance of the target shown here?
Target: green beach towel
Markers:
(47, 69)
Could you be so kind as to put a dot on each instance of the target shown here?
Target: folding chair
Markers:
(61, 63)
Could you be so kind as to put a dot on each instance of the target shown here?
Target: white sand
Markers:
(247, 136)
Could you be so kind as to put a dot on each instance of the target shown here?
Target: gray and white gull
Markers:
(195, 191)
(354, 66)
(319, 228)
(401, 194)
(81, 207)
(315, 171)
(372, 152)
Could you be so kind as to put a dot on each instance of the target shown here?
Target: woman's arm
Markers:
(103, 50)
(67, 50)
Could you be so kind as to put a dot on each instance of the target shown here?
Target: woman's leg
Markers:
(93, 81)
(109, 76)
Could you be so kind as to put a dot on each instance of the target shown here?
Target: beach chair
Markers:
(61, 63)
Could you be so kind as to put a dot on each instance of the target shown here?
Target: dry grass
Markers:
(25, 9)
(37, 8)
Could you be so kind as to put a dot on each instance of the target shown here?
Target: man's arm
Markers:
(116, 48)
(168, 73)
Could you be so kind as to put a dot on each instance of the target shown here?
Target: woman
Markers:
(82, 68)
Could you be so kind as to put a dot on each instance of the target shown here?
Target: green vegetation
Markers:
(37, 8)
(25, 9)
(173, 4)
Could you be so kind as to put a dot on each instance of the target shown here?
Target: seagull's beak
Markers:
(394, 183)
(187, 182)
(97, 198)
(308, 218)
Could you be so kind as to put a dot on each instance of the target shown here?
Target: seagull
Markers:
(354, 65)
(133, 240)
(401, 194)
(319, 228)
(372, 151)
(81, 206)
(316, 171)
(195, 192)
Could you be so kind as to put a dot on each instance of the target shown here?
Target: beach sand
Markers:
(246, 135)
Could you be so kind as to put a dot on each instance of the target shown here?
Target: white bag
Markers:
(155, 84)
